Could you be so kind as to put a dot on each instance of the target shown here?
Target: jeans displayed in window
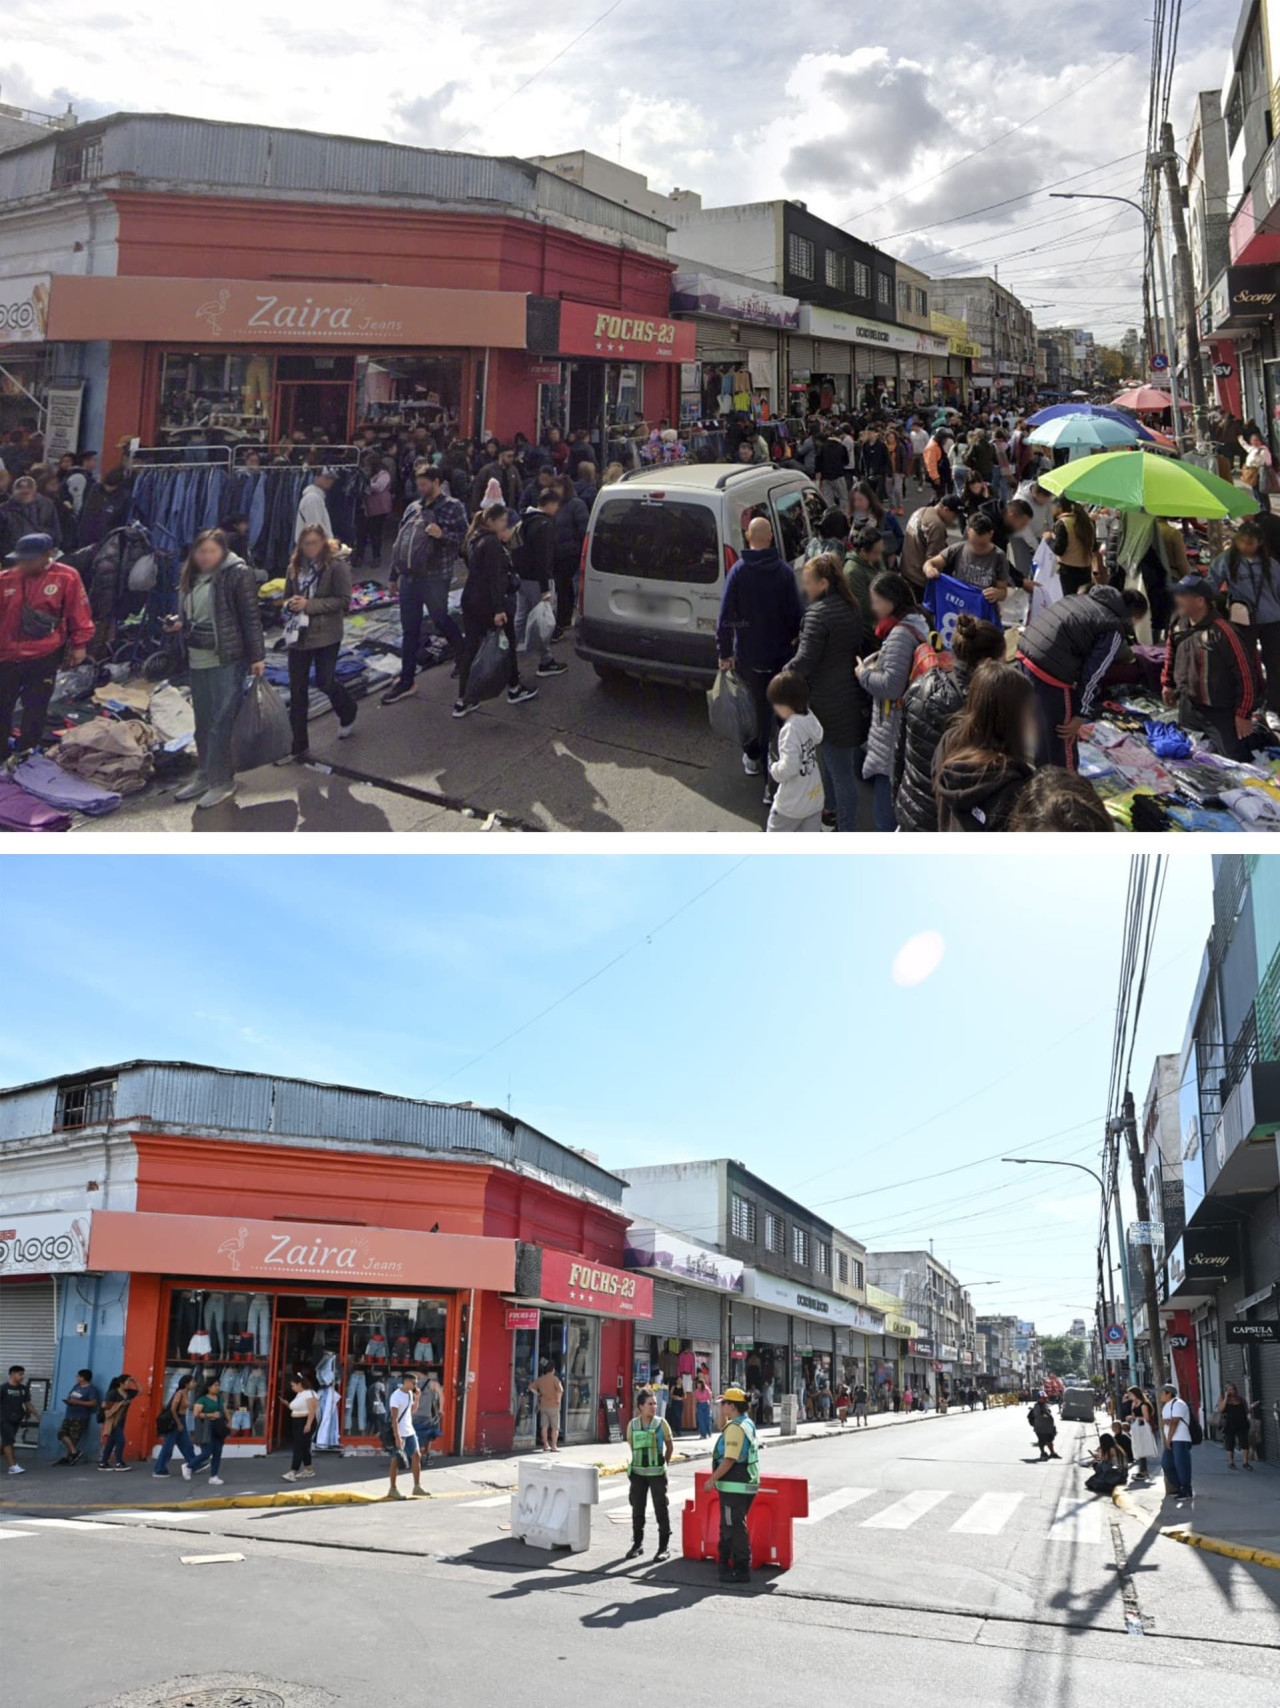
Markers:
(215, 1322)
(839, 768)
(530, 596)
(429, 593)
(319, 660)
(258, 1324)
(180, 1439)
(215, 697)
(355, 1413)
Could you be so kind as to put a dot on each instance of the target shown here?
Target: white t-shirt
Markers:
(1178, 1409)
(298, 1405)
(919, 439)
(401, 1406)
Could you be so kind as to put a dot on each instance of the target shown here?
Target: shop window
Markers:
(744, 1219)
(227, 1335)
(800, 256)
(821, 1257)
(800, 1246)
(657, 541)
(386, 1338)
(85, 1103)
(861, 280)
(837, 270)
(775, 1232)
(212, 397)
(580, 1379)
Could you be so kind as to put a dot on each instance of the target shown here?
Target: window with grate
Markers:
(775, 1232)
(821, 1257)
(857, 1273)
(904, 296)
(842, 1266)
(800, 256)
(799, 1246)
(861, 280)
(836, 269)
(76, 160)
(85, 1103)
(884, 290)
(922, 302)
(744, 1219)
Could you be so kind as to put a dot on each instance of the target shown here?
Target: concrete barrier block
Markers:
(551, 1507)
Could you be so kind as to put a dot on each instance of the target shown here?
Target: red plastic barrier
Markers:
(779, 1502)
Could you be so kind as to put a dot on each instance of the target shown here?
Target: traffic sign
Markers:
(1159, 362)
(1115, 1334)
(1115, 1351)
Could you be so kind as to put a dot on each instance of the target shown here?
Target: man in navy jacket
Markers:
(760, 615)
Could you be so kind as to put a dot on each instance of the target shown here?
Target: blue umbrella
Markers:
(1071, 432)
(1104, 410)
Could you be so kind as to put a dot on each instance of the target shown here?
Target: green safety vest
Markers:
(648, 1448)
(745, 1477)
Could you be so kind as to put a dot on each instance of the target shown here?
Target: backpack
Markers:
(416, 552)
(1193, 1424)
(930, 655)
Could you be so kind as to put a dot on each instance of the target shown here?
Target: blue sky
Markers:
(743, 1007)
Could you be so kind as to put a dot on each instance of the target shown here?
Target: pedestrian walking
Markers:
(884, 676)
(1258, 471)
(424, 559)
(16, 1409)
(219, 621)
(981, 765)
(1044, 1428)
(489, 602)
(572, 520)
(122, 1390)
(317, 595)
(760, 617)
(702, 1407)
(908, 1399)
(931, 703)
(212, 1427)
(797, 801)
(533, 558)
(548, 1391)
(45, 625)
(1175, 1461)
(173, 1425)
(428, 1419)
(304, 1415)
(831, 637)
(651, 1443)
(1235, 1426)
(831, 468)
(860, 1406)
(82, 1402)
(405, 1448)
(735, 1475)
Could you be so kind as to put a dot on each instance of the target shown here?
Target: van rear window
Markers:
(656, 542)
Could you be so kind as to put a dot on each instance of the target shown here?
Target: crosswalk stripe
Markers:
(988, 1515)
(825, 1505)
(491, 1500)
(1078, 1519)
(14, 1535)
(903, 1513)
(68, 1523)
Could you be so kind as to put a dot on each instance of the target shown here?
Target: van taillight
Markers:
(730, 558)
(582, 571)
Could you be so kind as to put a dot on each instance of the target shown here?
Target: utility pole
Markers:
(1146, 1258)
(1182, 260)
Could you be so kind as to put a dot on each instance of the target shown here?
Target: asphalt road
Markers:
(940, 1553)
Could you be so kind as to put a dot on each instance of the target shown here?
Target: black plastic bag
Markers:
(490, 672)
(732, 709)
(261, 732)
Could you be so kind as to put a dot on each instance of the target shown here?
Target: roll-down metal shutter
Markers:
(29, 1327)
(773, 1328)
(702, 1315)
(830, 358)
(884, 364)
(741, 1318)
(666, 1311)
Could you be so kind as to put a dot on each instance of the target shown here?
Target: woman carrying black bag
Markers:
(210, 1418)
(317, 593)
(489, 603)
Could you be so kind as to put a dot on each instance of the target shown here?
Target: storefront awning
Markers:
(223, 1248)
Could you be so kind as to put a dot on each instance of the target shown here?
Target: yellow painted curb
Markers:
(1231, 1550)
(316, 1497)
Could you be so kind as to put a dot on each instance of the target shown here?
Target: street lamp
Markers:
(1050, 1162)
(1170, 340)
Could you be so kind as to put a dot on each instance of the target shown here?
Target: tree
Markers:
(1111, 362)
(1061, 1355)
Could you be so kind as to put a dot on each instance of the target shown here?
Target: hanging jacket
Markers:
(104, 568)
(930, 703)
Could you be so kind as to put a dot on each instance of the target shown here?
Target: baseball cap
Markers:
(31, 545)
(1195, 584)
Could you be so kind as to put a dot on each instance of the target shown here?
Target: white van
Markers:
(658, 551)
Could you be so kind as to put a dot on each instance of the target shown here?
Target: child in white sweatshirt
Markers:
(797, 804)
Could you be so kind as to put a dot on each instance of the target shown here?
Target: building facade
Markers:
(168, 1219)
(1001, 327)
(941, 1357)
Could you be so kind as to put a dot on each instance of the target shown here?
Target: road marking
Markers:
(825, 1505)
(492, 1500)
(11, 1535)
(903, 1513)
(1078, 1519)
(988, 1515)
(68, 1523)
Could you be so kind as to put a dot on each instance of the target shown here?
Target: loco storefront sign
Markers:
(570, 1280)
(24, 309)
(586, 330)
(220, 1246)
(46, 1242)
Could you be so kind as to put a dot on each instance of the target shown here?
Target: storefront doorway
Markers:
(569, 1344)
(312, 410)
(313, 1349)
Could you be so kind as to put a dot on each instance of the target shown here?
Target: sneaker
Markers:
(551, 667)
(558, 635)
(345, 730)
(464, 708)
(399, 692)
(192, 791)
(293, 758)
(216, 1482)
(162, 1476)
(200, 1468)
(16, 1470)
(393, 1494)
(104, 1467)
(663, 1553)
(517, 696)
(289, 1477)
(306, 1471)
(419, 1492)
(634, 1551)
(750, 766)
(215, 797)
(75, 1458)
(65, 1461)
(186, 1472)
(119, 1467)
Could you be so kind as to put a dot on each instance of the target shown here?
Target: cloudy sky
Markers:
(901, 121)
(660, 1008)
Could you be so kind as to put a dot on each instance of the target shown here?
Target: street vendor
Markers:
(1209, 673)
(1066, 651)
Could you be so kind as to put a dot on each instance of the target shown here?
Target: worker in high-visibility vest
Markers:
(651, 1442)
(736, 1476)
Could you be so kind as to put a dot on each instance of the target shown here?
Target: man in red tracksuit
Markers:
(1210, 669)
(44, 623)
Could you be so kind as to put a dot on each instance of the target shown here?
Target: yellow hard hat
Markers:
(735, 1394)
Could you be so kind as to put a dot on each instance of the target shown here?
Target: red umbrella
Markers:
(1144, 398)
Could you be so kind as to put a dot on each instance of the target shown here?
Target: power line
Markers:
(555, 58)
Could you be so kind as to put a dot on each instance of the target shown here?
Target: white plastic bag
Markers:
(540, 626)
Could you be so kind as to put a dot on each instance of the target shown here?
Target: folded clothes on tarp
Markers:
(21, 810)
(63, 789)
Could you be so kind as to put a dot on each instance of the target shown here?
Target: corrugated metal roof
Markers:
(191, 1095)
(172, 149)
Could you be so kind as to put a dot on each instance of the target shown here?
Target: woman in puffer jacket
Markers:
(929, 706)
(982, 765)
(900, 628)
(827, 655)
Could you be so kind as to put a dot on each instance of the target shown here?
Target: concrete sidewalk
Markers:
(1238, 1509)
(47, 1487)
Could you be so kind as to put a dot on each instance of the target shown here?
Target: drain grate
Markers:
(224, 1696)
(224, 1690)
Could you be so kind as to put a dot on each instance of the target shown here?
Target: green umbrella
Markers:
(1138, 480)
